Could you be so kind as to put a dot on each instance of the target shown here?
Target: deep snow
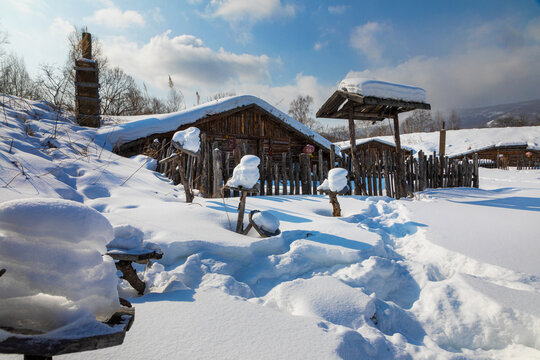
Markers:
(449, 274)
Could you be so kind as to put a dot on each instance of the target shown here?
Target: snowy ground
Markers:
(450, 274)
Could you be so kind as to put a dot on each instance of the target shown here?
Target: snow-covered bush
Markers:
(55, 274)
(246, 174)
(188, 139)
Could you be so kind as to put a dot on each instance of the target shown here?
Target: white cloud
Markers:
(337, 9)
(187, 60)
(472, 77)
(113, 17)
(252, 11)
(61, 27)
(366, 40)
(319, 45)
(242, 15)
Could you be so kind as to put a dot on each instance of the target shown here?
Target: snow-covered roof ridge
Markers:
(383, 89)
(463, 141)
(136, 127)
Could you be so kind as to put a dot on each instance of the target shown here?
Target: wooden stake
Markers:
(241, 209)
(355, 166)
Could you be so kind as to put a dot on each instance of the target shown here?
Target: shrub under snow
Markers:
(336, 182)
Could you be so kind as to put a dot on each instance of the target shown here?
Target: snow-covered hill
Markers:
(452, 273)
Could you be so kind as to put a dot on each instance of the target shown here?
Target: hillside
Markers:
(479, 117)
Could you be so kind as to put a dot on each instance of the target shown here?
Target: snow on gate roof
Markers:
(464, 141)
(136, 127)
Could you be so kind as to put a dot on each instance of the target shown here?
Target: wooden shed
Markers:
(503, 156)
(373, 145)
(244, 122)
(294, 158)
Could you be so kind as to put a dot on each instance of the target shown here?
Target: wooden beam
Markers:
(400, 191)
(354, 158)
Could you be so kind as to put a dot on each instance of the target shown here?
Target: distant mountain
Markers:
(479, 117)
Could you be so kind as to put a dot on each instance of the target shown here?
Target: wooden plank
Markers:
(269, 166)
(332, 156)
(284, 172)
(476, 179)
(399, 158)
(87, 84)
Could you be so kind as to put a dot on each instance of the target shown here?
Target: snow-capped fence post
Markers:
(244, 179)
(334, 185)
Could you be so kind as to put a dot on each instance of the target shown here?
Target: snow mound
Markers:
(126, 237)
(188, 139)
(266, 221)
(54, 219)
(382, 89)
(323, 297)
(148, 162)
(55, 272)
(245, 174)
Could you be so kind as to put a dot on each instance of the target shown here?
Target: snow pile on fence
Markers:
(336, 181)
(382, 89)
(188, 139)
(246, 174)
(55, 273)
(266, 221)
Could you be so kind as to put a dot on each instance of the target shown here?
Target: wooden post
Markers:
(476, 180)
(284, 172)
(269, 175)
(304, 170)
(291, 171)
(442, 141)
(355, 166)
(335, 204)
(320, 167)
(184, 180)
(277, 179)
(333, 155)
(241, 209)
(400, 189)
(218, 172)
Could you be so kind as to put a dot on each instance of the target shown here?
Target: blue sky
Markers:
(464, 53)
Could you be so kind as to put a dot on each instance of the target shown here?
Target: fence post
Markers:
(476, 183)
(218, 172)
(304, 171)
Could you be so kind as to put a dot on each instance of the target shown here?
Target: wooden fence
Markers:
(298, 174)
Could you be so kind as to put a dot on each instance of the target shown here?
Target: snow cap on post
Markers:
(187, 139)
(246, 174)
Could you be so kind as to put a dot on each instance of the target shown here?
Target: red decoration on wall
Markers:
(308, 149)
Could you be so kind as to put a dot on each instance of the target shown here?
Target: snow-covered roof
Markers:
(463, 141)
(382, 89)
(345, 145)
(136, 127)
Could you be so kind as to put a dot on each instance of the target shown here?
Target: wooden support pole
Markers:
(184, 180)
(218, 172)
(333, 156)
(241, 209)
(400, 188)
(355, 165)
(335, 204)
(442, 141)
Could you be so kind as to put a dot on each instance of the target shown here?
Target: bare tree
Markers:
(3, 41)
(53, 84)
(438, 121)
(454, 122)
(418, 121)
(300, 109)
(509, 121)
(14, 78)
(220, 95)
(175, 99)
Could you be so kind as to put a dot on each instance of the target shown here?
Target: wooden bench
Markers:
(124, 260)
